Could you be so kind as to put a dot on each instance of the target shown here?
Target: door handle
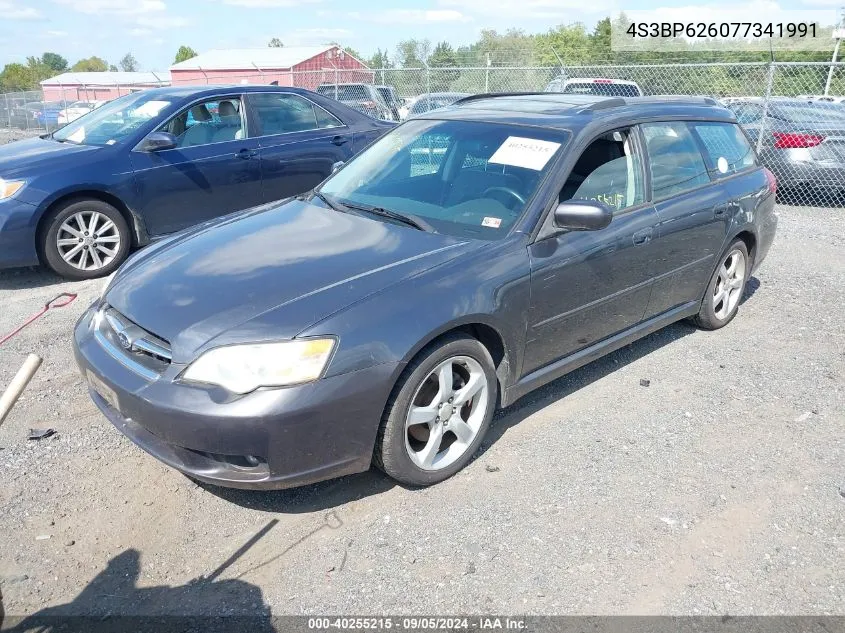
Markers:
(721, 210)
(339, 140)
(246, 154)
(643, 236)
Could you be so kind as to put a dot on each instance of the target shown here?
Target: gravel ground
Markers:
(719, 488)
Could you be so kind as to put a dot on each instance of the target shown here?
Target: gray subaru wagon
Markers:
(467, 257)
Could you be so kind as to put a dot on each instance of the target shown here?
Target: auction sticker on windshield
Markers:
(529, 153)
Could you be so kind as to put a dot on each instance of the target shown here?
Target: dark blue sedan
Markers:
(158, 161)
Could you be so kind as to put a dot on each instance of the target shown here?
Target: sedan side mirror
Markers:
(584, 215)
(157, 142)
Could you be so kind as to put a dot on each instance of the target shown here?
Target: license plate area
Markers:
(103, 390)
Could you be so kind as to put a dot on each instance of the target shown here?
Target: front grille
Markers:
(137, 349)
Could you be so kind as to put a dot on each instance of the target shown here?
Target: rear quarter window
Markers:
(726, 148)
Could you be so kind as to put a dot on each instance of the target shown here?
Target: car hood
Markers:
(268, 274)
(21, 157)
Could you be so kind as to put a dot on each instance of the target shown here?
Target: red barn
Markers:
(300, 66)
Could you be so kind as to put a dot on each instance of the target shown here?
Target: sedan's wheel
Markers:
(439, 412)
(86, 239)
(721, 301)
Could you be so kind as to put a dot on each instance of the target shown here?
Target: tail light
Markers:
(368, 104)
(770, 178)
(788, 140)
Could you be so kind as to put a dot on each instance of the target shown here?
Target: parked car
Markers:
(158, 161)
(76, 110)
(362, 97)
(803, 142)
(595, 86)
(388, 94)
(384, 317)
(823, 98)
(434, 100)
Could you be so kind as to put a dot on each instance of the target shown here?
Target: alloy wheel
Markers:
(729, 283)
(88, 240)
(446, 413)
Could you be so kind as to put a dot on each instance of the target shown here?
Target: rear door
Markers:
(213, 171)
(300, 143)
(693, 211)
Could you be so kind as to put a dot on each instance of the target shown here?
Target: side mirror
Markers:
(337, 166)
(587, 215)
(157, 142)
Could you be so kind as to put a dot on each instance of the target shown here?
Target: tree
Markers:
(112, 68)
(184, 53)
(16, 77)
(54, 61)
(92, 64)
(129, 64)
(379, 60)
(413, 53)
(275, 43)
(443, 59)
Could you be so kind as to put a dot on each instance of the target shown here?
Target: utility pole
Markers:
(839, 34)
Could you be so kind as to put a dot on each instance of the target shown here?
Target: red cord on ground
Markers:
(52, 303)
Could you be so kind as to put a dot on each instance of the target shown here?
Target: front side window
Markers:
(609, 171)
(115, 121)
(676, 163)
(727, 148)
(283, 113)
(468, 179)
(214, 121)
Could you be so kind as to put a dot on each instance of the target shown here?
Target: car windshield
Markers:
(112, 122)
(809, 114)
(602, 89)
(467, 179)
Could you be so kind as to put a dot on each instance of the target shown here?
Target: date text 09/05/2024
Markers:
(742, 30)
(423, 623)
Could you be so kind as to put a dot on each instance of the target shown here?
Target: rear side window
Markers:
(727, 148)
(676, 163)
(283, 113)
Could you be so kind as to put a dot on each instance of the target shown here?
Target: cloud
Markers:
(162, 21)
(11, 11)
(411, 16)
(56, 33)
(562, 10)
(312, 37)
(115, 7)
(140, 32)
(269, 4)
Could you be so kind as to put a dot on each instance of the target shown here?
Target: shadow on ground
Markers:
(32, 277)
(112, 601)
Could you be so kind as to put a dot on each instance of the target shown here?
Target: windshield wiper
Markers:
(329, 202)
(405, 218)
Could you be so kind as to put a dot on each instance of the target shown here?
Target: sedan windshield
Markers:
(467, 179)
(112, 122)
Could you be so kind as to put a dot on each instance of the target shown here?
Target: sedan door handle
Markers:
(644, 236)
(339, 140)
(246, 154)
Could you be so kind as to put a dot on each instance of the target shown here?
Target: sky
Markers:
(152, 30)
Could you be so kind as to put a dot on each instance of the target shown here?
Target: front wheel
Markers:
(85, 239)
(439, 412)
(724, 292)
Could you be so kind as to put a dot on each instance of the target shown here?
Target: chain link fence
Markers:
(794, 113)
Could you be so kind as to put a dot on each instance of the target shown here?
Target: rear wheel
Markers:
(724, 292)
(85, 239)
(439, 412)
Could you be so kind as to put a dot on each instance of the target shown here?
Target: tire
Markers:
(80, 260)
(725, 289)
(422, 385)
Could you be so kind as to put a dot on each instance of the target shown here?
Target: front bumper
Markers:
(271, 438)
(17, 234)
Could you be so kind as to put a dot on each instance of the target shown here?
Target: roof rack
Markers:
(489, 95)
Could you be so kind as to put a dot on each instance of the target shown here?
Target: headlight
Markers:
(244, 368)
(8, 188)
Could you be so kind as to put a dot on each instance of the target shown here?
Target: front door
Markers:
(589, 285)
(300, 143)
(213, 170)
